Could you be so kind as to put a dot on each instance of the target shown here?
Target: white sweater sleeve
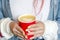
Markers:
(51, 29)
(0, 26)
(1, 22)
(5, 30)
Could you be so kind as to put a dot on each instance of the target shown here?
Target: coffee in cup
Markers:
(25, 21)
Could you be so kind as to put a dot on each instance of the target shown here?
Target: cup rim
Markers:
(25, 15)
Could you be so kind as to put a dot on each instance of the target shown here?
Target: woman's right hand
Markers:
(17, 30)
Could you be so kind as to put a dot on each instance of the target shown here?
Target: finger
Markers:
(35, 26)
(34, 33)
(35, 36)
(20, 29)
(32, 26)
(15, 30)
(34, 29)
(18, 34)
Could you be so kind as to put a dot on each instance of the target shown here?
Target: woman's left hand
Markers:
(36, 30)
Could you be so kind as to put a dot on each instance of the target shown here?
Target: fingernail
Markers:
(28, 34)
(26, 29)
(30, 38)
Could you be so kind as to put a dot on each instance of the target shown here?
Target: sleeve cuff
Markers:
(51, 29)
(1, 22)
(5, 30)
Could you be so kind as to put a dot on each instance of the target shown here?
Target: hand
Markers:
(17, 30)
(36, 29)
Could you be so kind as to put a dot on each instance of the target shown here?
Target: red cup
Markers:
(25, 21)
